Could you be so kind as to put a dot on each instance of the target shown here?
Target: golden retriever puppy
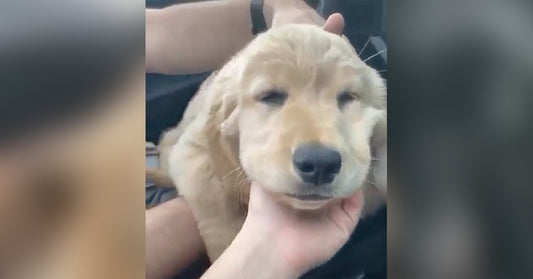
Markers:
(295, 111)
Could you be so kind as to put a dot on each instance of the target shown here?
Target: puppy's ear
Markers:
(377, 97)
(225, 91)
(229, 127)
(377, 135)
(378, 144)
(223, 121)
(378, 138)
(222, 130)
(230, 115)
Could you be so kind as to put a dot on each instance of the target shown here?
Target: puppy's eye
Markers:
(345, 98)
(273, 97)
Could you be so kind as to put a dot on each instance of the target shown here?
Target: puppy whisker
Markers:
(376, 54)
(241, 197)
(240, 174)
(363, 49)
(371, 182)
(232, 171)
(242, 181)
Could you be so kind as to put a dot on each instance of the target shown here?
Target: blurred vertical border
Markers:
(460, 109)
(72, 113)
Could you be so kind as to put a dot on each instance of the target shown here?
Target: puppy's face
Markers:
(307, 109)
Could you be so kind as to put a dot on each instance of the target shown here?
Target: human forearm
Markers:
(278, 242)
(172, 239)
(200, 37)
(250, 257)
(197, 37)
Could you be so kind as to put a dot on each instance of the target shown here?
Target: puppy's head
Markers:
(304, 112)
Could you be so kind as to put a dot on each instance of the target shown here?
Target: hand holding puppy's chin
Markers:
(296, 243)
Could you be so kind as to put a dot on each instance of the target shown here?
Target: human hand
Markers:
(298, 240)
(293, 11)
(297, 11)
(334, 24)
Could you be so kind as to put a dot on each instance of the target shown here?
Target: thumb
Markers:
(353, 205)
(334, 24)
(345, 214)
(259, 197)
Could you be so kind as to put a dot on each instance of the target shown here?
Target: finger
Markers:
(334, 24)
(259, 197)
(256, 193)
(353, 205)
(345, 214)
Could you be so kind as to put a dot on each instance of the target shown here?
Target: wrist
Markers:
(285, 12)
(259, 253)
(272, 7)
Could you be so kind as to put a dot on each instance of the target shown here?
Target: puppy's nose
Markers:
(316, 163)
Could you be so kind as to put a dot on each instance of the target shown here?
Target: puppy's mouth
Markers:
(312, 197)
(307, 201)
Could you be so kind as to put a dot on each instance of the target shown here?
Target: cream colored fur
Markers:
(228, 138)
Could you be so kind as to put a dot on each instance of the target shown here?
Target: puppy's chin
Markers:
(300, 204)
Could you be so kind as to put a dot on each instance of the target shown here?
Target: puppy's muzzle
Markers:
(316, 164)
